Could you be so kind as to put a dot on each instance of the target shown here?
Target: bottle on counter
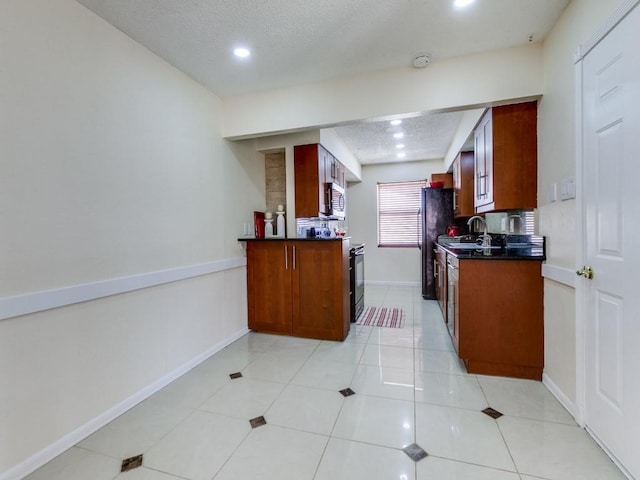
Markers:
(268, 225)
(280, 223)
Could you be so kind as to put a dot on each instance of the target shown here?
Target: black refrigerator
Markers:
(436, 215)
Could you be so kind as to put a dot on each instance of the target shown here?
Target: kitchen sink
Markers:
(466, 246)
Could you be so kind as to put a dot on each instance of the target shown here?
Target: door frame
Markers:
(581, 298)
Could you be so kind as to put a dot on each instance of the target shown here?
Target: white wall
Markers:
(556, 160)
(384, 265)
(112, 165)
(464, 82)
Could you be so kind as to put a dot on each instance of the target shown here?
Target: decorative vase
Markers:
(268, 227)
(280, 224)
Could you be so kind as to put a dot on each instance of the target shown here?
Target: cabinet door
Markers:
(463, 185)
(457, 185)
(441, 280)
(483, 185)
(309, 163)
(506, 158)
(330, 165)
(340, 180)
(453, 302)
(324, 168)
(318, 295)
(496, 335)
(269, 286)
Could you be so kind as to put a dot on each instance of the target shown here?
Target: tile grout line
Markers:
(504, 440)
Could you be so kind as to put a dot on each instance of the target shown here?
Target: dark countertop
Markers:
(534, 251)
(271, 239)
(502, 253)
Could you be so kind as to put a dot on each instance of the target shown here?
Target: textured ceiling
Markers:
(424, 138)
(295, 42)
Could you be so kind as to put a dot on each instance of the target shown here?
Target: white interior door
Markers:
(611, 200)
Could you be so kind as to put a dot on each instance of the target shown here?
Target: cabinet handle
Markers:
(286, 258)
(455, 200)
(294, 257)
(482, 185)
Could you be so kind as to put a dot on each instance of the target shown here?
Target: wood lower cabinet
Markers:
(440, 273)
(299, 287)
(499, 317)
(270, 299)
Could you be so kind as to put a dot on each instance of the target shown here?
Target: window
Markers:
(399, 223)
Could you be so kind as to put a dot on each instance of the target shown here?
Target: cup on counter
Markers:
(452, 231)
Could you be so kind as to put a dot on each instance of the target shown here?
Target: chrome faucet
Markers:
(486, 238)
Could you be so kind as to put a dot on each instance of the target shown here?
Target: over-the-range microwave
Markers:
(336, 204)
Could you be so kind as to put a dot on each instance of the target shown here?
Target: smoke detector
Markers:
(421, 61)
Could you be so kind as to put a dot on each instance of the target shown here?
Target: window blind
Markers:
(399, 223)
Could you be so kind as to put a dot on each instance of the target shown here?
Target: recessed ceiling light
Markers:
(396, 122)
(462, 3)
(401, 155)
(398, 135)
(241, 52)
(400, 145)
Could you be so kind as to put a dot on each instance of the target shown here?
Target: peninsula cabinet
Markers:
(506, 161)
(499, 317)
(463, 204)
(299, 287)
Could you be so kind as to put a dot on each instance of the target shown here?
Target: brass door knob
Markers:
(586, 272)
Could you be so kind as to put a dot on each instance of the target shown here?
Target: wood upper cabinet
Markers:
(310, 179)
(314, 167)
(506, 161)
(463, 202)
(499, 317)
(299, 287)
(340, 175)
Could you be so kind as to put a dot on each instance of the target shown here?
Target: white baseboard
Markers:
(69, 440)
(572, 409)
(560, 396)
(613, 458)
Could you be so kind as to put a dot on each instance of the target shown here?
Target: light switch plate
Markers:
(553, 192)
(568, 188)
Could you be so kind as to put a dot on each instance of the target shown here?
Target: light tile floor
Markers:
(410, 388)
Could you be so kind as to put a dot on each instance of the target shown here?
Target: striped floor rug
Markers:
(382, 317)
